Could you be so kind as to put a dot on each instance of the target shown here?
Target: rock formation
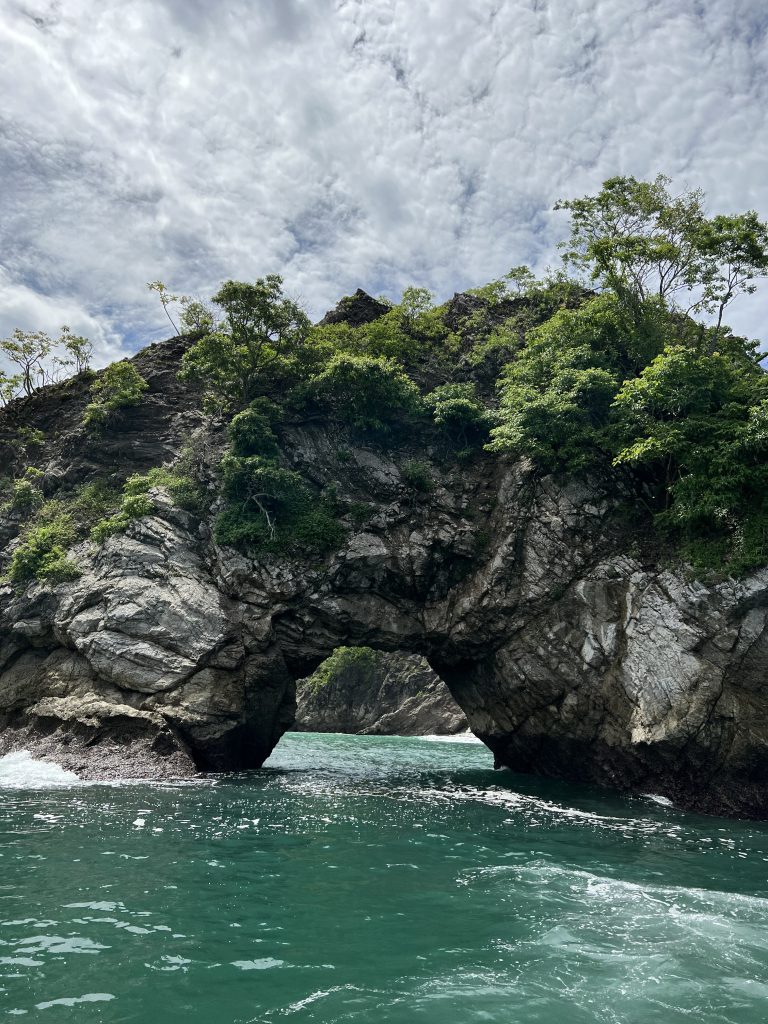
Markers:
(378, 694)
(571, 652)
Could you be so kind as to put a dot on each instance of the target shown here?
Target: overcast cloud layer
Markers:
(347, 143)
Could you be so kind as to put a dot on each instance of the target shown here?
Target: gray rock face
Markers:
(380, 694)
(568, 656)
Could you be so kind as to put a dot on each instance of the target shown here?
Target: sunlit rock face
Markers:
(568, 657)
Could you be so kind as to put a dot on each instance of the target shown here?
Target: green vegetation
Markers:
(136, 502)
(410, 331)
(39, 360)
(132, 506)
(457, 409)
(94, 510)
(418, 476)
(637, 240)
(628, 379)
(618, 366)
(344, 661)
(42, 556)
(695, 425)
(269, 508)
(26, 494)
(555, 398)
(368, 392)
(79, 350)
(118, 387)
(195, 316)
(255, 345)
(26, 443)
(56, 525)
(607, 372)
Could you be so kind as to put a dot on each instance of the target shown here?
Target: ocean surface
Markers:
(376, 880)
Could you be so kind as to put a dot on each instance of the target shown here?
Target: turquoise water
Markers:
(369, 879)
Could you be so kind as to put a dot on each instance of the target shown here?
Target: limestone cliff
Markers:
(571, 651)
(375, 693)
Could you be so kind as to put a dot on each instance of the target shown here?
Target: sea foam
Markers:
(22, 771)
(456, 737)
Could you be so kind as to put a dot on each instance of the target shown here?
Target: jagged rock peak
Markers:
(355, 310)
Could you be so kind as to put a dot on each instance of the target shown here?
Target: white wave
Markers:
(457, 737)
(22, 771)
(662, 801)
(619, 893)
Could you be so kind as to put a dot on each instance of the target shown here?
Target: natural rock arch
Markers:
(569, 656)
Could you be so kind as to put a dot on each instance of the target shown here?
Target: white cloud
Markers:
(23, 306)
(356, 142)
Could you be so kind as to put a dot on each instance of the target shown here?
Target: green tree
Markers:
(365, 391)
(637, 239)
(167, 299)
(736, 248)
(9, 386)
(78, 348)
(28, 350)
(196, 316)
(258, 341)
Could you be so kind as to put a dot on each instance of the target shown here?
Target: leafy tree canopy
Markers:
(255, 344)
(637, 239)
(365, 391)
(40, 360)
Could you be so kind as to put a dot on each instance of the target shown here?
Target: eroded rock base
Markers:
(100, 749)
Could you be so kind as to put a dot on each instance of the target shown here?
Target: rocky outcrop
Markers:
(146, 635)
(356, 310)
(571, 652)
(378, 694)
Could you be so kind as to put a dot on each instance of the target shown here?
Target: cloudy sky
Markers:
(347, 143)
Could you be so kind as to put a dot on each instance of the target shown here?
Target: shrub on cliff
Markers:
(458, 411)
(251, 432)
(118, 387)
(371, 392)
(418, 476)
(136, 501)
(26, 494)
(254, 347)
(555, 398)
(42, 555)
(268, 507)
(55, 526)
(695, 424)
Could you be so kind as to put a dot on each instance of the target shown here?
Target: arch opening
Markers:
(360, 690)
